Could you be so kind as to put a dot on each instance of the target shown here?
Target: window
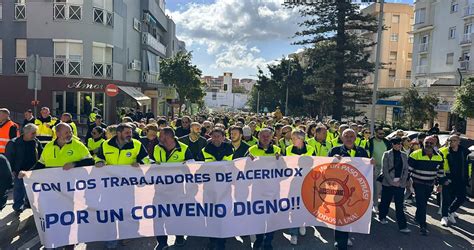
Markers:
(411, 39)
(410, 56)
(420, 15)
(454, 7)
(391, 74)
(450, 58)
(394, 37)
(20, 60)
(67, 58)
(1, 11)
(468, 28)
(153, 63)
(408, 74)
(395, 18)
(103, 12)
(67, 9)
(452, 33)
(1, 56)
(102, 60)
(20, 10)
(393, 55)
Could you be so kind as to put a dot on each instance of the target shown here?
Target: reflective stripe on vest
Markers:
(176, 156)
(209, 157)
(255, 151)
(309, 150)
(115, 156)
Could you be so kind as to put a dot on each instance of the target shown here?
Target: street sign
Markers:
(111, 90)
(33, 65)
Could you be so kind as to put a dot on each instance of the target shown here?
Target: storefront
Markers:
(74, 95)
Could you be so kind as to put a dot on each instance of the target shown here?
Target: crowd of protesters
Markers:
(405, 170)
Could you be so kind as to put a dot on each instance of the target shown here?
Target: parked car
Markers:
(411, 134)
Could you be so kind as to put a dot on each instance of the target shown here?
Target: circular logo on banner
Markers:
(111, 90)
(336, 193)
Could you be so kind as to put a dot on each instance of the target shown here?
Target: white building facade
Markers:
(441, 54)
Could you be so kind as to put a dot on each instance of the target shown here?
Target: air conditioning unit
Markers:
(135, 65)
(146, 18)
(137, 25)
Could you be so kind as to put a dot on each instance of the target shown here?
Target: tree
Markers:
(288, 72)
(418, 109)
(338, 23)
(178, 72)
(464, 103)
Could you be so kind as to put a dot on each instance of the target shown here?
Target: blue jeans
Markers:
(19, 194)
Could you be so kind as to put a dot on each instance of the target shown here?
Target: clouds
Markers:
(229, 29)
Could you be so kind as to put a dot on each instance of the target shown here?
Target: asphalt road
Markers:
(20, 233)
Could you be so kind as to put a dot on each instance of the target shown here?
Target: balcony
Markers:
(153, 78)
(423, 47)
(464, 65)
(102, 70)
(152, 42)
(63, 67)
(468, 11)
(422, 69)
(466, 39)
(20, 66)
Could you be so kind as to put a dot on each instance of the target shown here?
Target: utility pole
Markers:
(287, 82)
(377, 67)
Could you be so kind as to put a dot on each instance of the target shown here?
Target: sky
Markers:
(236, 35)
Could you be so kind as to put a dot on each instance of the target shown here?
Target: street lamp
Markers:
(287, 83)
(377, 67)
(258, 97)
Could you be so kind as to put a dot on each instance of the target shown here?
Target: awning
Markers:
(136, 94)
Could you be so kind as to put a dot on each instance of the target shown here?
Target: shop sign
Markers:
(85, 86)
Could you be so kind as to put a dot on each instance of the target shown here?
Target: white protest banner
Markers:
(217, 199)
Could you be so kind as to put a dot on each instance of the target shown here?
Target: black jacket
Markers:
(5, 180)
(344, 152)
(464, 165)
(371, 145)
(23, 155)
(225, 149)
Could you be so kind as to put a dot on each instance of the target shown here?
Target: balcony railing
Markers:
(150, 77)
(102, 70)
(469, 11)
(464, 65)
(466, 38)
(65, 67)
(20, 65)
(421, 69)
(149, 40)
(423, 47)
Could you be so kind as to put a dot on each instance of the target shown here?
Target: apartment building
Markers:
(396, 57)
(441, 54)
(85, 46)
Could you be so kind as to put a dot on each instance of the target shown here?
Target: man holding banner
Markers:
(264, 147)
(217, 150)
(348, 149)
(121, 150)
(170, 150)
